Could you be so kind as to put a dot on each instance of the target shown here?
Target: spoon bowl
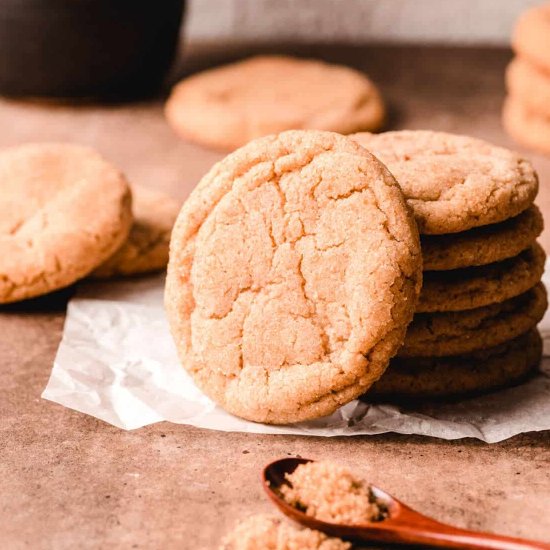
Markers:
(402, 526)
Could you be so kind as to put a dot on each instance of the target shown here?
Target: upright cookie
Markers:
(531, 37)
(228, 106)
(454, 183)
(64, 211)
(474, 287)
(525, 126)
(482, 245)
(461, 375)
(146, 248)
(458, 332)
(530, 85)
(294, 269)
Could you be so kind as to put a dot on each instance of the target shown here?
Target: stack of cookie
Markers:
(474, 329)
(67, 214)
(526, 114)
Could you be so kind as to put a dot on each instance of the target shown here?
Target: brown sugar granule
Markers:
(266, 532)
(331, 493)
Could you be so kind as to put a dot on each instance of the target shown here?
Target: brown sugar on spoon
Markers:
(331, 493)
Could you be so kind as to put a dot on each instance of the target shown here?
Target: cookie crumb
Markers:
(330, 492)
(268, 532)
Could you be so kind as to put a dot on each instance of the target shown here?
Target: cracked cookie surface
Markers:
(482, 245)
(454, 183)
(146, 248)
(473, 287)
(228, 106)
(294, 270)
(64, 210)
(458, 332)
(461, 375)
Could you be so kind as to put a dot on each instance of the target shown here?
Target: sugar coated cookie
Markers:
(525, 126)
(482, 245)
(294, 269)
(146, 248)
(531, 37)
(474, 287)
(64, 211)
(461, 375)
(458, 332)
(228, 106)
(454, 183)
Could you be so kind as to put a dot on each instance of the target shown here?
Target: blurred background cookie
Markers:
(64, 211)
(228, 106)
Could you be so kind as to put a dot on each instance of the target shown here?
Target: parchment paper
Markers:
(117, 362)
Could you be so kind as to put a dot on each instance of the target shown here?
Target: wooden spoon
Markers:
(402, 526)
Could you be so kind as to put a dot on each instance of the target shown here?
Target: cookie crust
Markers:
(482, 245)
(146, 249)
(454, 183)
(64, 211)
(474, 287)
(461, 375)
(459, 332)
(228, 106)
(294, 270)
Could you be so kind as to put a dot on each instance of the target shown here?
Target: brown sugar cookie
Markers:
(454, 183)
(461, 375)
(530, 85)
(482, 245)
(531, 36)
(526, 127)
(267, 532)
(146, 248)
(458, 332)
(294, 270)
(63, 211)
(474, 287)
(228, 106)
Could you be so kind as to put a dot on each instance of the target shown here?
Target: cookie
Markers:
(267, 532)
(526, 127)
(530, 85)
(531, 36)
(482, 245)
(458, 332)
(454, 183)
(64, 211)
(146, 248)
(461, 375)
(474, 287)
(294, 269)
(228, 106)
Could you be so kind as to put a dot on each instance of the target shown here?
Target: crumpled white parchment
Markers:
(117, 362)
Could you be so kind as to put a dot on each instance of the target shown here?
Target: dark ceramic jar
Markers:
(102, 49)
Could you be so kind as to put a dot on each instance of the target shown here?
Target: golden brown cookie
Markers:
(146, 248)
(531, 37)
(294, 270)
(63, 211)
(482, 245)
(454, 183)
(267, 532)
(228, 106)
(458, 332)
(474, 287)
(530, 85)
(461, 375)
(526, 127)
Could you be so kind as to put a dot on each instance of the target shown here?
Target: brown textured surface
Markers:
(303, 237)
(480, 371)
(454, 332)
(70, 481)
(473, 287)
(482, 245)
